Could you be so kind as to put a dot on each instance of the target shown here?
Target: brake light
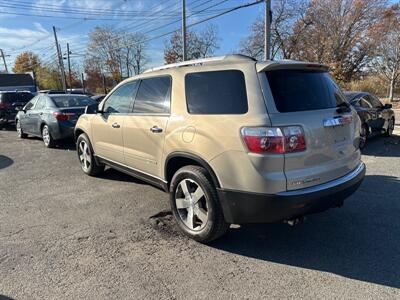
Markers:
(4, 105)
(60, 116)
(274, 140)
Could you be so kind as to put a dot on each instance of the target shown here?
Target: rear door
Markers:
(144, 130)
(310, 98)
(107, 127)
(35, 115)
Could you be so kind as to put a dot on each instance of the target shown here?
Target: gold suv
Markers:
(232, 140)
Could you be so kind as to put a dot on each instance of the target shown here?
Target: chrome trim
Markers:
(338, 121)
(328, 185)
(133, 169)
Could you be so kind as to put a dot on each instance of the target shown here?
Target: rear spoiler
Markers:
(290, 64)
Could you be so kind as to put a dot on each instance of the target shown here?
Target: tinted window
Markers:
(219, 92)
(121, 99)
(365, 103)
(300, 90)
(71, 101)
(16, 97)
(374, 101)
(153, 95)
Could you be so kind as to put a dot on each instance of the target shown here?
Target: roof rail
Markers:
(201, 61)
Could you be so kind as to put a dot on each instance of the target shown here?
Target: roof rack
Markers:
(202, 61)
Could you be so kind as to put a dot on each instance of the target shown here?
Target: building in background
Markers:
(17, 82)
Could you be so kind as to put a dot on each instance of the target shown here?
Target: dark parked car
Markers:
(376, 118)
(98, 98)
(52, 117)
(9, 101)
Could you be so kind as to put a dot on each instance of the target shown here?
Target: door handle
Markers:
(116, 125)
(156, 129)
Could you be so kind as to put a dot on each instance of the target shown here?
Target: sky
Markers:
(27, 24)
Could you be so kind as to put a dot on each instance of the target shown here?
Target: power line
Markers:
(191, 25)
(170, 23)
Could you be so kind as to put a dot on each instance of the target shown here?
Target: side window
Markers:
(365, 103)
(31, 104)
(375, 102)
(41, 103)
(153, 96)
(121, 99)
(217, 92)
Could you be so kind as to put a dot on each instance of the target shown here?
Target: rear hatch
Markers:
(307, 96)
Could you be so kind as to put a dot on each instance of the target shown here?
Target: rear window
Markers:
(72, 101)
(218, 92)
(16, 97)
(300, 90)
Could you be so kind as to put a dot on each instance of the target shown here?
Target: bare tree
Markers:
(387, 61)
(199, 44)
(115, 52)
(285, 14)
(338, 32)
(133, 52)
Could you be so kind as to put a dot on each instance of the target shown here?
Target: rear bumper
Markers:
(7, 117)
(60, 131)
(245, 207)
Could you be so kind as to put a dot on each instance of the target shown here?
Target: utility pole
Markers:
(4, 60)
(184, 30)
(267, 30)
(60, 60)
(83, 83)
(69, 68)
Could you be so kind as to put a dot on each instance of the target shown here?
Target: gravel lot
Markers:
(64, 235)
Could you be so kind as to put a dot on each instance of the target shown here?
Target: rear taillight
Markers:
(60, 116)
(4, 105)
(275, 140)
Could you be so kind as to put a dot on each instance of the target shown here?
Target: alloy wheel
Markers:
(84, 155)
(46, 136)
(19, 129)
(191, 204)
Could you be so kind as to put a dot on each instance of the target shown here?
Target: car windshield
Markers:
(301, 90)
(16, 97)
(72, 101)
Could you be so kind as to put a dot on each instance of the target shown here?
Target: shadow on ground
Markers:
(2, 297)
(359, 241)
(8, 127)
(389, 148)
(5, 162)
(112, 174)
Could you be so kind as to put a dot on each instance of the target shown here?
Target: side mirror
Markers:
(387, 106)
(92, 109)
(19, 108)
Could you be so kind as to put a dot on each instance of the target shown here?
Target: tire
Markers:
(20, 133)
(390, 129)
(48, 140)
(201, 202)
(364, 135)
(86, 157)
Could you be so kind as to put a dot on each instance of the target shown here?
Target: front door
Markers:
(144, 130)
(107, 127)
(26, 122)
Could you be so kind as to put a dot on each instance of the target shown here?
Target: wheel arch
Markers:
(177, 160)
